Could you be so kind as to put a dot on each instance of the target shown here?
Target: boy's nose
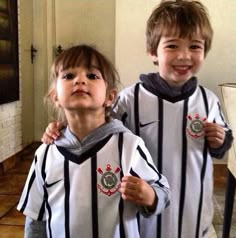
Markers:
(184, 54)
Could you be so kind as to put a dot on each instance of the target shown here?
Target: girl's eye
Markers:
(92, 76)
(68, 76)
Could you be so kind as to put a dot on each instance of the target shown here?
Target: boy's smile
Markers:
(179, 58)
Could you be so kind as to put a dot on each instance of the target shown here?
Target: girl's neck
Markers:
(81, 126)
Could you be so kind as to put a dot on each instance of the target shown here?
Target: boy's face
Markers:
(179, 58)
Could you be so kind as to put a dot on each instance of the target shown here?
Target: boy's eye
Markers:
(194, 47)
(172, 46)
(68, 76)
(92, 76)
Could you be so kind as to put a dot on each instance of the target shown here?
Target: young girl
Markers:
(95, 178)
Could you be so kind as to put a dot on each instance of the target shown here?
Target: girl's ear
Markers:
(110, 97)
(54, 98)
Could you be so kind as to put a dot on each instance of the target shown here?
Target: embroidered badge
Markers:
(109, 183)
(195, 126)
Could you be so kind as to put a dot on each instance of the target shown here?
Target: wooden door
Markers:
(25, 18)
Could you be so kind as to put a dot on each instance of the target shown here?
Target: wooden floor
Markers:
(12, 182)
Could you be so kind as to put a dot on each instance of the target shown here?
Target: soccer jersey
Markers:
(172, 128)
(78, 195)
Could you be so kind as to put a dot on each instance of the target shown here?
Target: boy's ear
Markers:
(110, 97)
(154, 58)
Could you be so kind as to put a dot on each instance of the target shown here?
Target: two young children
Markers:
(180, 121)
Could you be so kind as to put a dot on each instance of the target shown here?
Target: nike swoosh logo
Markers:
(48, 185)
(146, 124)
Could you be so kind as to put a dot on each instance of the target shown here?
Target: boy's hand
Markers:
(137, 190)
(52, 132)
(215, 134)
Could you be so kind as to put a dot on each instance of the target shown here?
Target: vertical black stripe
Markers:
(41, 211)
(49, 212)
(160, 135)
(183, 170)
(159, 158)
(121, 204)
(31, 181)
(67, 197)
(205, 100)
(95, 228)
(203, 170)
(46, 193)
(136, 122)
(221, 115)
(44, 203)
(136, 109)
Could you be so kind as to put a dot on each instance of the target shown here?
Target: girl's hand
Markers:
(215, 134)
(137, 190)
(52, 132)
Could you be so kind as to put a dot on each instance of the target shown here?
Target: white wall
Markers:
(86, 21)
(10, 129)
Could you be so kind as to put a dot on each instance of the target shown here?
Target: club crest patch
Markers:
(195, 126)
(109, 182)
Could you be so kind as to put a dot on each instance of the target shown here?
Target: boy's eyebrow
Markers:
(170, 40)
(199, 41)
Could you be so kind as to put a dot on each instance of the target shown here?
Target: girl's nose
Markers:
(80, 79)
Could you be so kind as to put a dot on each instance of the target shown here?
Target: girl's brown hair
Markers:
(185, 18)
(82, 56)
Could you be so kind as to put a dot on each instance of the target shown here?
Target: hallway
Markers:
(12, 182)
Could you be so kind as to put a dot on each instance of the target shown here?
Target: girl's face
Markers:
(179, 58)
(82, 90)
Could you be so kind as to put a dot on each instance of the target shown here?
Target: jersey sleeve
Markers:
(31, 201)
(142, 166)
(123, 107)
(216, 113)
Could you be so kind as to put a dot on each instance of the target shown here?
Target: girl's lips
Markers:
(79, 92)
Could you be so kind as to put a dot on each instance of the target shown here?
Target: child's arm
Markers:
(137, 190)
(215, 135)
(142, 184)
(35, 229)
(52, 132)
(32, 195)
(219, 140)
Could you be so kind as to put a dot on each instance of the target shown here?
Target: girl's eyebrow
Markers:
(95, 67)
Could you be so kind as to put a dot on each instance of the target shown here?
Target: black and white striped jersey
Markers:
(78, 195)
(173, 133)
